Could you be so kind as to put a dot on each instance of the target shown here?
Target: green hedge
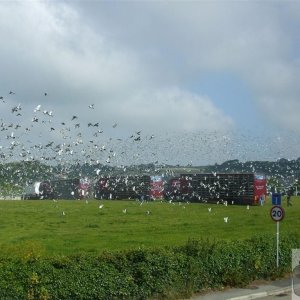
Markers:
(167, 273)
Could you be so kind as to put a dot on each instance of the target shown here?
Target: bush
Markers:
(166, 273)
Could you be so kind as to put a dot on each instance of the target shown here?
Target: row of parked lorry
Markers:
(240, 188)
(108, 187)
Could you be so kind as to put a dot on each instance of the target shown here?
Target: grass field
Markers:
(67, 227)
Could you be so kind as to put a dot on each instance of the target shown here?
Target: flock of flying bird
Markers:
(38, 135)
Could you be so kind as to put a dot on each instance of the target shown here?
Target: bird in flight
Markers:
(38, 108)
(16, 108)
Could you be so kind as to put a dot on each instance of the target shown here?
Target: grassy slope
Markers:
(86, 227)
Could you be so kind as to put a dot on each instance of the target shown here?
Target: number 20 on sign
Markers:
(277, 213)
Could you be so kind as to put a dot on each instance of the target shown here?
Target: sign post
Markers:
(277, 214)
(276, 199)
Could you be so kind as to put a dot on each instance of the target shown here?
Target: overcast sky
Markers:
(182, 82)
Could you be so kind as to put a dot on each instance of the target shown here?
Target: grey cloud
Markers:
(84, 64)
(136, 61)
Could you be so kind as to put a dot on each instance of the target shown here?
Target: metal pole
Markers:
(277, 245)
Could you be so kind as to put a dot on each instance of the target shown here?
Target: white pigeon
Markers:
(209, 209)
(226, 219)
(101, 206)
(38, 108)
(63, 213)
(124, 211)
(248, 207)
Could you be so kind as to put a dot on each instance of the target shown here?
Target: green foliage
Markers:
(160, 273)
(92, 253)
(281, 167)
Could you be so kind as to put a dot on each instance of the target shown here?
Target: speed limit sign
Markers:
(277, 213)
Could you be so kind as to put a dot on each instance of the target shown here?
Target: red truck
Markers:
(129, 187)
(237, 188)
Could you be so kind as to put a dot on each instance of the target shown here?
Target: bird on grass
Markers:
(226, 219)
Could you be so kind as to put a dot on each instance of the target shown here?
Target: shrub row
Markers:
(167, 273)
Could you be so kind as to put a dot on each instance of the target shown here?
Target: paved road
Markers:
(275, 290)
(282, 296)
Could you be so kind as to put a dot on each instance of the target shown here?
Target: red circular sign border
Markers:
(283, 213)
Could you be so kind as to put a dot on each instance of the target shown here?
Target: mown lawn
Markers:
(71, 226)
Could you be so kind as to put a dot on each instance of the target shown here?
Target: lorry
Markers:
(234, 188)
(143, 187)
